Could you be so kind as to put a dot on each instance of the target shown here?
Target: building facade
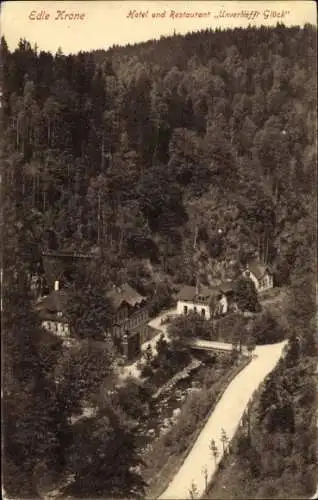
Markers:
(261, 275)
(129, 327)
(51, 311)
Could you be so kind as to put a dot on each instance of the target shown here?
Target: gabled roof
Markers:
(186, 293)
(125, 293)
(258, 268)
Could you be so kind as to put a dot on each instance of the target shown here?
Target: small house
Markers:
(51, 310)
(129, 327)
(261, 274)
(207, 301)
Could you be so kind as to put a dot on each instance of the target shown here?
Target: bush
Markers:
(190, 326)
(161, 345)
(147, 371)
(246, 295)
(231, 327)
(243, 445)
(134, 400)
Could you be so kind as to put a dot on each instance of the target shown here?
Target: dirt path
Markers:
(226, 415)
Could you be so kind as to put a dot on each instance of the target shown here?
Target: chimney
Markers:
(56, 286)
(197, 286)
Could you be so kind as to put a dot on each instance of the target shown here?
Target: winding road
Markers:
(227, 416)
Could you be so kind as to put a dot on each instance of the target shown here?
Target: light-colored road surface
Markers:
(227, 415)
(156, 322)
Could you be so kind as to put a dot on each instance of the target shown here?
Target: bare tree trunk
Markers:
(121, 236)
(37, 187)
(102, 163)
(195, 237)
(52, 133)
(266, 248)
(33, 190)
(156, 145)
(17, 129)
(111, 235)
(98, 219)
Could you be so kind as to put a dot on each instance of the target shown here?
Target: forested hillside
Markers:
(165, 159)
(187, 153)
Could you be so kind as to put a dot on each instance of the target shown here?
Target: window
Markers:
(195, 309)
(203, 312)
(185, 309)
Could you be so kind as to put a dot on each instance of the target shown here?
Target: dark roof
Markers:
(125, 293)
(258, 268)
(191, 293)
(53, 303)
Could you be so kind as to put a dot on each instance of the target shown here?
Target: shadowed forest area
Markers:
(165, 160)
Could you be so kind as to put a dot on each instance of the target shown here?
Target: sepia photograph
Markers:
(158, 250)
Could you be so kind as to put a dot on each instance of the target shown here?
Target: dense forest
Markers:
(185, 154)
(167, 160)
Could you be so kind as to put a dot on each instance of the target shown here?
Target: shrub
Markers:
(162, 299)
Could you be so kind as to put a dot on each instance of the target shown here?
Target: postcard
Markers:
(158, 270)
